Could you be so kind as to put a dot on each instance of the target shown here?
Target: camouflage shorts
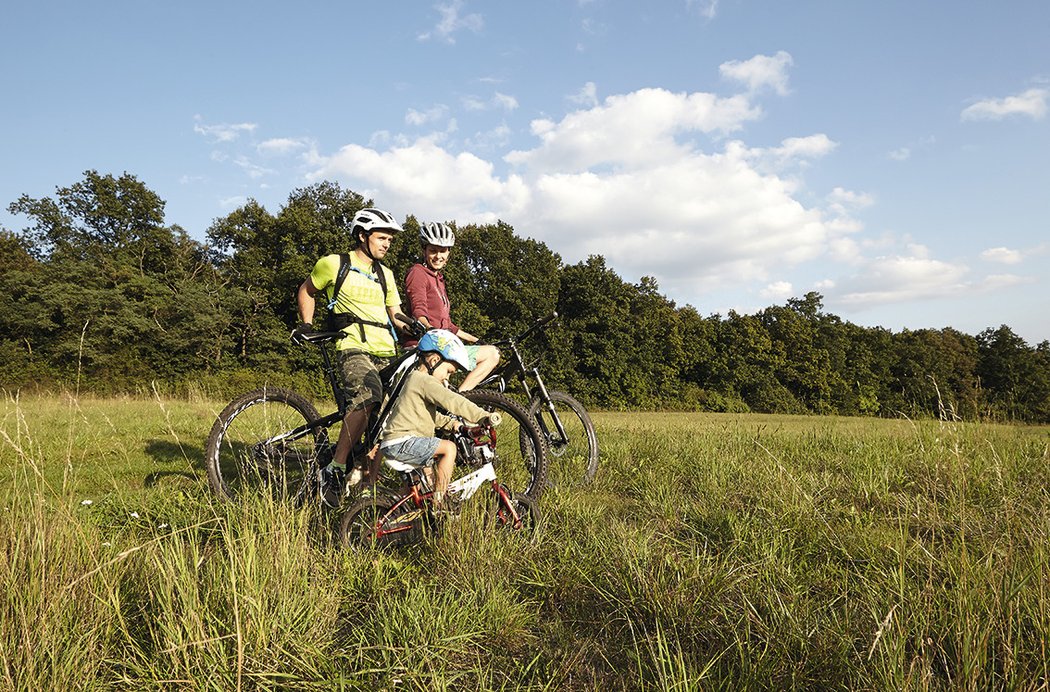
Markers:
(359, 373)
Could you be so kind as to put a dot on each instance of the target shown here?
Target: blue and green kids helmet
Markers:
(447, 345)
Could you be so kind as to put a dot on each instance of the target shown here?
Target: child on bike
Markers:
(409, 435)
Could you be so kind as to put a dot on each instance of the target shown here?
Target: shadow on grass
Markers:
(166, 452)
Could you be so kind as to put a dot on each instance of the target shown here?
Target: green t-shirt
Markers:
(361, 295)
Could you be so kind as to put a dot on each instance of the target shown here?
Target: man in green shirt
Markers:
(367, 304)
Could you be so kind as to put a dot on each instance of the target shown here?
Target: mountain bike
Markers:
(563, 422)
(404, 518)
(272, 441)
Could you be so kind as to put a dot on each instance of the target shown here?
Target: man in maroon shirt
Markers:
(428, 299)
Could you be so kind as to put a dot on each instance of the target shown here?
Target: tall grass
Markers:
(712, 552)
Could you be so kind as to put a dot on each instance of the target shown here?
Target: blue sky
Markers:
(894, 156)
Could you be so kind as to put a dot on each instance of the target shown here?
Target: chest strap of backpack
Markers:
(340, 320)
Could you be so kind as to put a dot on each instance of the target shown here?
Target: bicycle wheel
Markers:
(521, 458)
(572, 459)
(382, 521)
(526, 509)
(253, 451)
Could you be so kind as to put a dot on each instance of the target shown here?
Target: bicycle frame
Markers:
(322, 448)
(419, 497)
(515, 367)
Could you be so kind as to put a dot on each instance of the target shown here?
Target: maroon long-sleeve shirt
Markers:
(427, 297)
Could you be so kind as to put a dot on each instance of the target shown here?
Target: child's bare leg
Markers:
(445, 458)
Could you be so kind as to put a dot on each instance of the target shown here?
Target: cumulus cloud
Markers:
(760, 71)
(647, 180)
(639, 178)
(777, 291)
(1030, 103)
(451, 22)
(1002, 255)
(891, 279)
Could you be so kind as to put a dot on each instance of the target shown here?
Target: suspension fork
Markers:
(504, 502)
(546, 398)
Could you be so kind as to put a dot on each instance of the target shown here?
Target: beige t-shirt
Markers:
(415, 413)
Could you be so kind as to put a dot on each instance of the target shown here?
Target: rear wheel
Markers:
(572, 458)
(261, 444)
(521, 459)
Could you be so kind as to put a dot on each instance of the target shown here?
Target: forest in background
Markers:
(104, 296)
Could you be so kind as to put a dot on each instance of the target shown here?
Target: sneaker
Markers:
(333, 485)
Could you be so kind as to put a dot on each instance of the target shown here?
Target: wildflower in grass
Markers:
(86, 503)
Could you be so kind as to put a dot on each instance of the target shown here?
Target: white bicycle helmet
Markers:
(447, 345)
(439, 234)
(368, 220)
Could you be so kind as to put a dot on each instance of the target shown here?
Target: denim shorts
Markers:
(416, 451)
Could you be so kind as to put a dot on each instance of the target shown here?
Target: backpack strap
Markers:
(339, 321)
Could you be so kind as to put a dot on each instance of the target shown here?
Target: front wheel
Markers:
(521, 454)
(515, 513)
(382, 521)
(262, 444)
(573, 457)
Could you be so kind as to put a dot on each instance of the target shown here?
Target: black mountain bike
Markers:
(564, 424)
(272, 441)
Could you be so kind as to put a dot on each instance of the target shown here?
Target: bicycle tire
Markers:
(238, 462)
(574, 462)
(527, 509)
(362, 524)
(521, 454)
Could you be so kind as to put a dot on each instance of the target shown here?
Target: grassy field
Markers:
(712, 552)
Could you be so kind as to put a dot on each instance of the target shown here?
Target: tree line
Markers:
(105, 296)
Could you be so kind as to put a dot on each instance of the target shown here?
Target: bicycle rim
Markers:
(250, 454)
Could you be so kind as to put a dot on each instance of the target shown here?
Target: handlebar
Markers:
(539, 324)
(415, 328)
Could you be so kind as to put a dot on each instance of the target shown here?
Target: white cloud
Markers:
(424, 178)
(778, 290)
(629, 179)
(587, 96)
(760, 71)
(792, 151)
(498, 101)
(893, 279)
(707, 8)
(432, 114)
(280, 146)
(224, 132)
(254, 170)
(452, 22)
(489, 140)
(1002, 255)
(902, 154)
(1030, 103)
(636, 129)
